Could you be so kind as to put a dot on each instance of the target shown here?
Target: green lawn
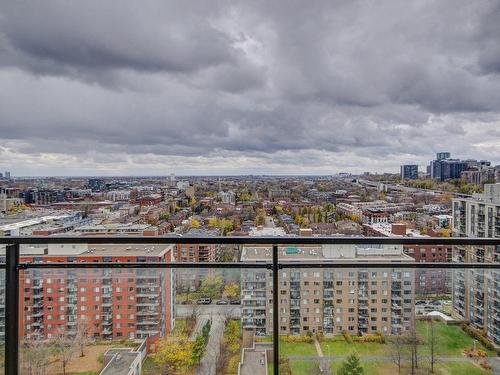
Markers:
(149, 367)
(370, 367)
(450, 340)
(338, 346)
(179, 327)
(292, 349)
(457, 368)
(297, 349)
(304, 367)
(388, 368)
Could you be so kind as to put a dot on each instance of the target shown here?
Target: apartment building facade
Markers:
(476, 293)
(107, 303)
(329, 301)
(195, 253)
(409, 171)
(427, 281)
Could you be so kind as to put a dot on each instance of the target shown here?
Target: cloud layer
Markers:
(246, 87)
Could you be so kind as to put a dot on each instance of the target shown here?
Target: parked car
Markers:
(222, 302)
(235, 302)
(187, 302)
(205, 301)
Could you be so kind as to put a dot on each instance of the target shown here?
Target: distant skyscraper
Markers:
(96, 184)
(409, 171)
(7, 175)
(443, 155)
(445, 169)
(172, 179)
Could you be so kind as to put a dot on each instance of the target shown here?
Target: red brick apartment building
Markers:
(195, 253)
(107, 303)
(433, 281)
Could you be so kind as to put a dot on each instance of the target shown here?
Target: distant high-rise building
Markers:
(172, 179)
(409, 171)
(443, 155)
(1, 175)
(96, 184)
(7, 175)
(444, 169)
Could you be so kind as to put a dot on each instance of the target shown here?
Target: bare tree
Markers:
(413, 342)
(397, 349)
(82, 334)
(192, 319)
(35, 357)
(65, 347)
(432, 343)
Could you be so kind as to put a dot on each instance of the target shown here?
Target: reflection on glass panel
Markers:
(326, 314)
(2, 319)
(152, 320)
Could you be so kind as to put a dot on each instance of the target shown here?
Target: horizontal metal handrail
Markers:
(263, 264)
(237, 240)
(14, 265)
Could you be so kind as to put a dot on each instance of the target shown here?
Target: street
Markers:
(212, 310)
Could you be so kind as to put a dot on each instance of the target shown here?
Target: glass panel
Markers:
(2, 319)
(157, 320)
(326, 314)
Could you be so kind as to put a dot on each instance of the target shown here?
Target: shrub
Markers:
(471, 353)
(482, 353)
(293, 339)
(372, 337)
(347, 337)
(478, 335)
(485, 365)
(284, 366)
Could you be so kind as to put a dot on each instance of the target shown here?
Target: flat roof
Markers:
(325, 253)
(120, 363)
(127, 250)
(112, 226)
(30, 222)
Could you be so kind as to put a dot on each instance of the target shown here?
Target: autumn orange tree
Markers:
(232, 291)
(173, 355)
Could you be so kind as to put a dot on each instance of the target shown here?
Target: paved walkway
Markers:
(495, 365)
(323, 362)
(371, 358)
(200, 323)
(208, 362)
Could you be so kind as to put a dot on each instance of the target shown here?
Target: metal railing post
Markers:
(276, 353)
(12, 310)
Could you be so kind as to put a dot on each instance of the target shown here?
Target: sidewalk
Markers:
(208, 362)
(323, 362)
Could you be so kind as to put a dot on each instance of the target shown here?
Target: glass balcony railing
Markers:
(300, 305)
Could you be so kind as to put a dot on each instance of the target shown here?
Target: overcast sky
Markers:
(276, 87)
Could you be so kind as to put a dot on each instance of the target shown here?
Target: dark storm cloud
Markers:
(326, 84)
(66, 37)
